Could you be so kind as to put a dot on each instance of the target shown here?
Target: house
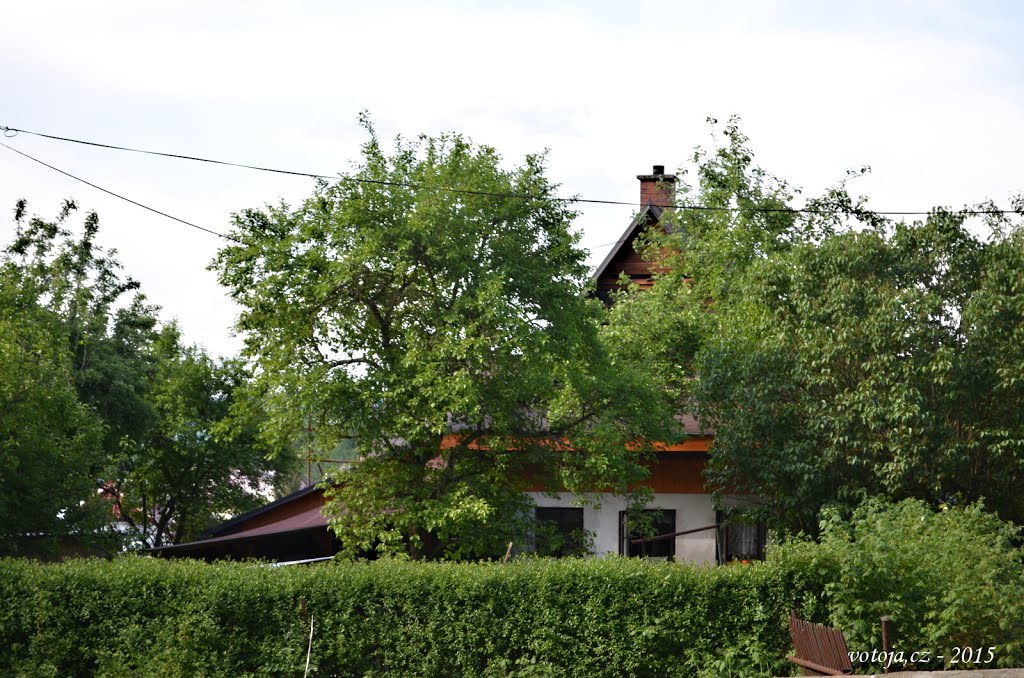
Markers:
(682, 511)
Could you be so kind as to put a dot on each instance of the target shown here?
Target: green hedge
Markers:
(595, 617)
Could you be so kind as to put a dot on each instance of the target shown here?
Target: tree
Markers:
(448, 333)
(875, 366)
(107, 324)
(740, 215)
(191, 468)
(148, 415)
(839, 354)
(47, 437)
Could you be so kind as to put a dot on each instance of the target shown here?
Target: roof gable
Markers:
(623, 257)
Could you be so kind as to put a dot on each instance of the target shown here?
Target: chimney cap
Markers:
(657, 174)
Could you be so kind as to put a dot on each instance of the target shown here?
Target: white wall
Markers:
(692, 511)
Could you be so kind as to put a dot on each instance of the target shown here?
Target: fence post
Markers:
(887, 640)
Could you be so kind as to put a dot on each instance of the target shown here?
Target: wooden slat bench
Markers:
(820, 650)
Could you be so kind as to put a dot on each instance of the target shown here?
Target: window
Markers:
(740, 541)
(652, 523)
(559, 531)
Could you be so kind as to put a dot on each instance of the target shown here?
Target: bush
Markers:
(949, 579)
(532, 617)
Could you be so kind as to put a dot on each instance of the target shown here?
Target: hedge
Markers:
(596, 617)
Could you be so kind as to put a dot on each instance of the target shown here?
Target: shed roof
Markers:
(311, 518)
(238, 522)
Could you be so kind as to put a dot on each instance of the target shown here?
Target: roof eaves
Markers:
(310, 519)
(650, 214)
(234, 522)
(228, 538)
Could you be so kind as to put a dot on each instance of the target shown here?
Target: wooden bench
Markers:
(820, 650)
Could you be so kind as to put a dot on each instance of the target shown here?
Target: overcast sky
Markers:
(928, 93)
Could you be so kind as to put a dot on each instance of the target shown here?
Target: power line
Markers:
(165, 155)
(697, 208)
(607, 244)
(311, 175)
(156, 211)
(13, 131)
(117, 195)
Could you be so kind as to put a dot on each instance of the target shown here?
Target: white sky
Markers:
(929, 93)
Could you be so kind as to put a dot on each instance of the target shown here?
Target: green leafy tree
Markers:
(48, 438)
(838, 354)
(106, 321)
(740, 215)
(193, 466)
(861, 373)
(154, 447)
(448, 333)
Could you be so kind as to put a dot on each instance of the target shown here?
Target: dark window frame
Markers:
(572, 544)
(727, 528)
(664, 523)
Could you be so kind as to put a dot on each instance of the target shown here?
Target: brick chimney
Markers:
(657, 188)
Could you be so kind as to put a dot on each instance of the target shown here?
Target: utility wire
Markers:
(14, 131)
(117, 195)
(311, 175)
(164, 214)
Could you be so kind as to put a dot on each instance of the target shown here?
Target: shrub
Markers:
(534, 617)
(949, 579)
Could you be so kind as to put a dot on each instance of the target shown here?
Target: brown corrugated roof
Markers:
(308, 519)
(238, 522)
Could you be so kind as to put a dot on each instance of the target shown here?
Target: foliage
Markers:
(191, 469)
(948, 579)
(838, 354)
(112, 403)
(532, 617)
(446, 331)
(47, 437)
(867, 365)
